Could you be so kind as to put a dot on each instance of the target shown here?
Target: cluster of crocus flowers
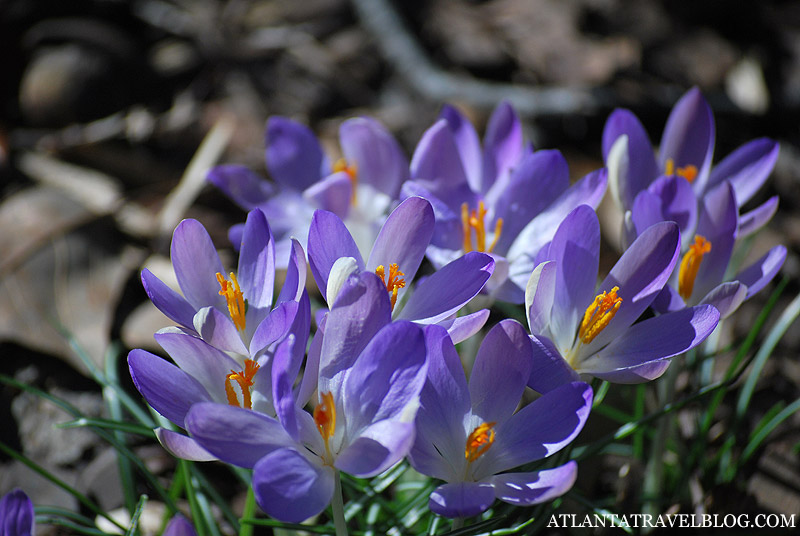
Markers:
(381, 379)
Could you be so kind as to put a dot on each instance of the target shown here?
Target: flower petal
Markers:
(461, 499)
(448, 289)
(549, 369)
(16, 514)
(256, 272)
(332, 193)
(437, 162)
(294, 282)
(196, 264)
(274, 326)
(746, 168)
(755, 219)
(640, 164)
(283, 376)
(502, 146)
(290, 487)
(377, 448)
(183, 447)
(217, 329)
(167, 300)
(726, 298)
(241, 184)
(761, 272)
(168, 389)
(179, 526)
(235, 435)
(539, 296)
(524, 489)
(502, 367)
(676, 202)
(467, 143)
(378, 158)
(294, 156)
(329, 240)
(462, 328)
(718, 224)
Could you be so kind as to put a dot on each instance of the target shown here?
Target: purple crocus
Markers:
(395, 257)
(359, 188)
(179, 526)
(469, 436)
(368, 377)
(16, 514)
(578, 332)
(687, 147)
(503, 200)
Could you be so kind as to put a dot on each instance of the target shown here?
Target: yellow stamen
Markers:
(479, 441)
(325, 419)
(245, 380)
(690, 264)
(688, 172)
(475, 221)
(394, 283)
(235, 298)
(352, 174)
(599, 314)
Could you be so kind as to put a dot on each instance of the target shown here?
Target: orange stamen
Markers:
(234, 298)
(394, 283)
(599, 314)
(352, 174)
(325, 417)
(479, 441)
(245, 380)
(688, 172)
(474, 220)
(690, 264)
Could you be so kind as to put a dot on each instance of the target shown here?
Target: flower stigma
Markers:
(479, 441)
(599, 314)
(245, 380)
(690, 264)
(235, 299)
(394, 282)
(325, 419)
(352, 174)
(688, 172)
(473, 220)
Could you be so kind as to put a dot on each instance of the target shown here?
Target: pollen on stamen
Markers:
(599, 314)
(234, 298)
(479, 441)
(474, 220)
(245, 380)
(325, 416)
(688, 172)
(352, 174)
(394, 283)
(690, 264)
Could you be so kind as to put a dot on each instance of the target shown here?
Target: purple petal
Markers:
(179, 526)
(641, 166)
(167, 300)
(168, 389)
(242, 185)
(502, 145)
(203, 362)
(274, 326)
(746, 168)
(640, 274)
(755, 219)
(668, 300)
(502, 368)
(16, 514)
(462, 328)
(726, 298)
(377, 448)
(182, 446)
(436, 160)
(688, 137)
(448, 231)
(549, 369)
(378, 158)
(461, 499)
(639, 374)
(294, 156)
(256, 272)
(294, 282)
(449, 288)
(308, 384)
(196, 264)
(282, 381)
(761, 272)
(537, 181)
(718, 224)
(361, 309)
(539, 296)
(333, 193)
(290, 487)
(467, 143)
(676, 202)
(217, 329)
(653, 339)
(404, 237)
(329, 240)
(235, 435)
(541, 428)
(524, 489)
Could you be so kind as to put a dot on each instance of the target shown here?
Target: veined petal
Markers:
(502, 368)
(761, 272)
(378, 447)
(549, 369)
(539, 296)
(217, 329)
(676, 202)
(274, 326)
(16, 514)
(294, 283)
(283, 377)
(502, 146)
(524, 489)
(256, 273)
(290, 487)
(640, 164)
(467, 143)
(294, 157)
(718, 224)
(332, 193)
(755, 219)
(183, 447)
(379, 160)
(638, 374)
(746, 168)
(167, 300)
(196, 264)
(329, 240)
(246, 188)
(726, 298)
(462, 328)
(461, 499)
(437, 161)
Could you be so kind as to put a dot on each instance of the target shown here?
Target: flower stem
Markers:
(337, 504)
(249, 511)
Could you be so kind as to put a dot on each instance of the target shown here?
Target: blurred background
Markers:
(111, 111)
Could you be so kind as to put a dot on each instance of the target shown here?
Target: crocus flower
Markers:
(395, 257)
(577, 331)
(231, 312)
(509, 210)
(469, 436)
(16, 514)
(179, 526)
(368, 379)
(359, 187)
(686, 152)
